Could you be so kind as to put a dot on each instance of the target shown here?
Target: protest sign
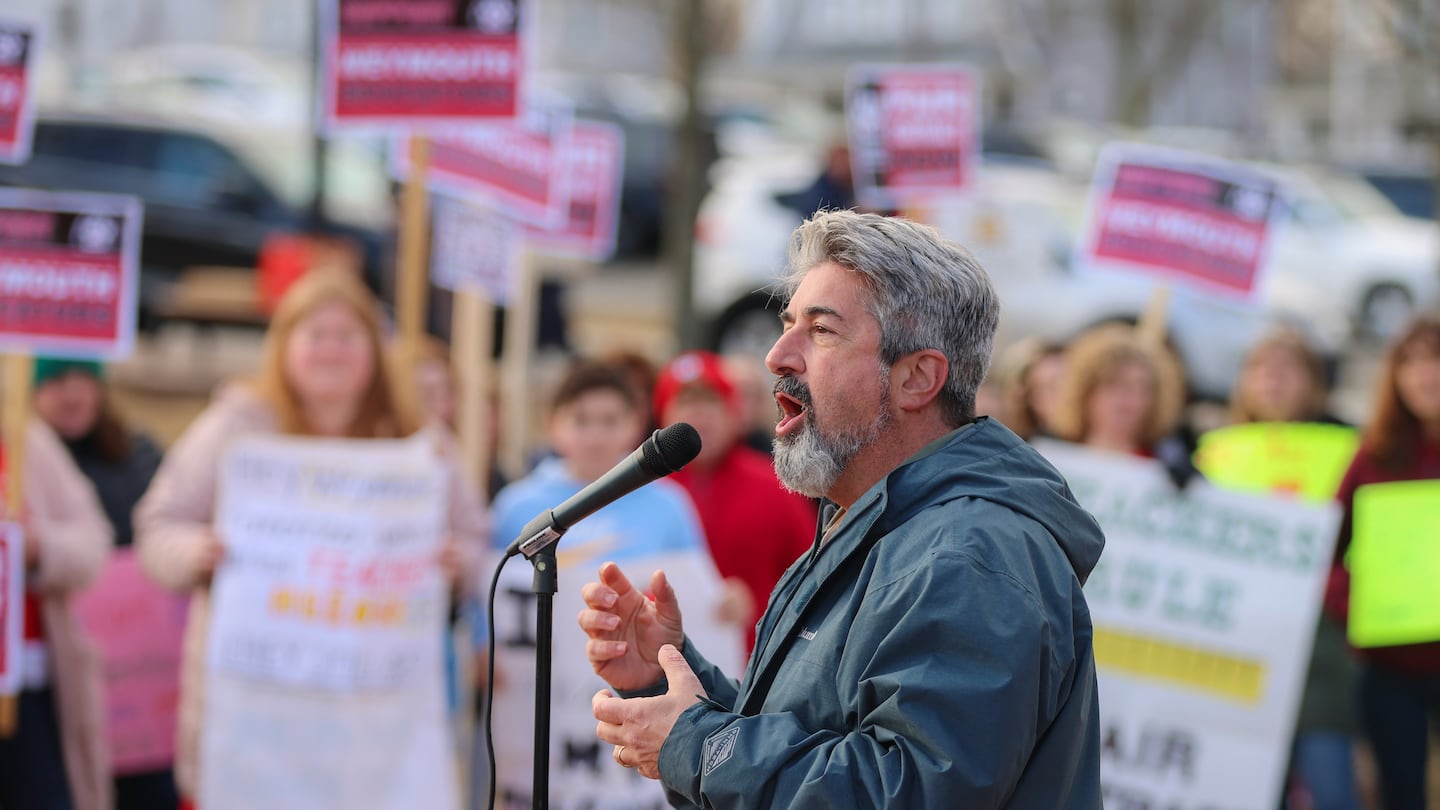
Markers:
(69, 266)
(19, 46)
(1304, 459)
(12, 606)
(582, 774)
(421, 64)
(476, 250)
(139, 629)
(914, 131)
(1188, 218)
(325, 684)
(1204, 606)
(1394, 564)
(513, 168)
(594, 161)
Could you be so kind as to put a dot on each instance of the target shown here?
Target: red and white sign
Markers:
(475, 249)
(421, 63)
(914, 131)
(139, 629)
(12, 606)
(513, 168)
(68, 273)
(19, 44)
(1194, 219)
(594, 162)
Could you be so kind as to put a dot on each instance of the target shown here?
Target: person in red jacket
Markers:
(1399, 685)
(755, 528)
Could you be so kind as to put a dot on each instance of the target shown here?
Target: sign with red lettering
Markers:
(18, 47)
(1197, 220)
(68, 273)
(12, 604)
(421, 63)
(594, 162)
(914, 131)
(513, 168)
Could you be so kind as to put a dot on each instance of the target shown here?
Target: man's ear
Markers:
(918, 378)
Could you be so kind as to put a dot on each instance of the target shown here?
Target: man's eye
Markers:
(820, 329)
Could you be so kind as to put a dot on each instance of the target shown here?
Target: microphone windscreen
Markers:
(671, 448)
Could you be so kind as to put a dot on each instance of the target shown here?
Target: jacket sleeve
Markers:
(65, 514)
(174, 521)
(942, 711)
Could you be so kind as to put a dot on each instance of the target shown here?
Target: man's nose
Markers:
(783, 359)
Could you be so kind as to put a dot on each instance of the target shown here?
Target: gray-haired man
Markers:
(933, 649)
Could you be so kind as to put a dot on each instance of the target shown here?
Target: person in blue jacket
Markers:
(933, 648)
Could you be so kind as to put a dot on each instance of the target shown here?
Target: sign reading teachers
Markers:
(326, 684)
(1204, 606)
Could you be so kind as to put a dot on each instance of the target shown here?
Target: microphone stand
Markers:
(544, 585)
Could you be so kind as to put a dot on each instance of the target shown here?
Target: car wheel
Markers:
(1386, 310)
(750, 327)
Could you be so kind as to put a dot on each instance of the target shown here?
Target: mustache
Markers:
(792, 387)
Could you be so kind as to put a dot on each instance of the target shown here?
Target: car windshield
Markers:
(1352, 196)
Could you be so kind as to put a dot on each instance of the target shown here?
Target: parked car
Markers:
(205, 204)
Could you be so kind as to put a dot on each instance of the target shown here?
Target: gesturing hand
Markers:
(626, 629)
(638, 727)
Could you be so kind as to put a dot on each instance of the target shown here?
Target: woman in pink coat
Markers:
(57, 757)
(323, 373)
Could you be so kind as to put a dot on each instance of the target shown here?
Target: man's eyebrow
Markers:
(816, 309)
(786, 316)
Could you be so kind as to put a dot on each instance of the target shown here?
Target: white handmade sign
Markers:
(326, 685)
(1204, 607)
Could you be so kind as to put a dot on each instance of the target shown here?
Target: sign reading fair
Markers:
(18, 46)
(914, 131)
(68, 273)
(1204, 607)
(594, 161)
(1195, 219)
(421, 61)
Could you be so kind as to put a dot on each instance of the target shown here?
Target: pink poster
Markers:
(138, 627)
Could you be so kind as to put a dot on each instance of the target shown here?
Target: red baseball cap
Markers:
(692, 368)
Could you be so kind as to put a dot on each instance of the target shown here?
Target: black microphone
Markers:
(665, 452)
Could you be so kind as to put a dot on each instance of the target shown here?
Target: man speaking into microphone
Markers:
(933, 647)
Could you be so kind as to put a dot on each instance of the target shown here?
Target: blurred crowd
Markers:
(328, 370)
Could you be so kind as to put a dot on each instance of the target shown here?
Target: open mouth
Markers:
(792, 414)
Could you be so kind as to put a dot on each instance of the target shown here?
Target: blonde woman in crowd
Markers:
(1283, 379)
(1124, 394)
(323, 374)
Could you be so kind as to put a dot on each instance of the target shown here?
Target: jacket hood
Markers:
(986, 460)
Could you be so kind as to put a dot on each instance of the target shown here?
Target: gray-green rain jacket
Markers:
(934, 652)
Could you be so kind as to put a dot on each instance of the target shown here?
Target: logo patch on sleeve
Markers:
(718, 749)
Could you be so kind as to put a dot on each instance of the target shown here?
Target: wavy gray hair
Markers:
(926, 291)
